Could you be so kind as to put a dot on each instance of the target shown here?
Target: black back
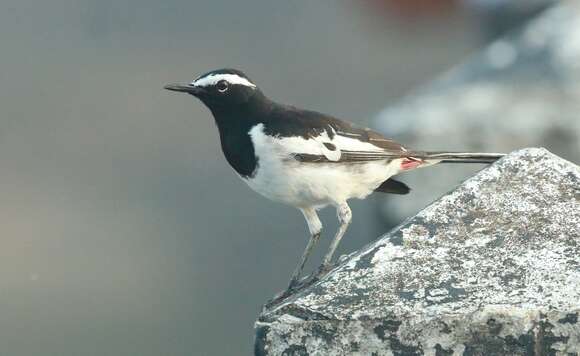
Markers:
(241, 108)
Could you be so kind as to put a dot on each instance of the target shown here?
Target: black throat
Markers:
(234, 123)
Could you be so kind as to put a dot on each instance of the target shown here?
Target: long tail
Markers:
(419, 159)
(459, 157)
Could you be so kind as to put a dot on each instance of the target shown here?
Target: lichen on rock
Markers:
(492, 268)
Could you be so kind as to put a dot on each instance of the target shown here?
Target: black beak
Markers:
(184, 88)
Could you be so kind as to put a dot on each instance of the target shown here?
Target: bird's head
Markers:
(222, 88)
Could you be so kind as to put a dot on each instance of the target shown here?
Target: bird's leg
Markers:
(315, 228)
(344, 217)
(298, 271)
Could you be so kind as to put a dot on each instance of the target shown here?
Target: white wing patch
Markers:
(281, 177)
(212, 79)
(321, 145)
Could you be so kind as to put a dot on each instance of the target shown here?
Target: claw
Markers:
(278, 298)
(294, 286)
(323, 270)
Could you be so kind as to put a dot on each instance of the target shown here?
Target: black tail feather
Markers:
(459, 157)
(393, 186)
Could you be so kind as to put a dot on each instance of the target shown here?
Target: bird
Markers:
(306, 159)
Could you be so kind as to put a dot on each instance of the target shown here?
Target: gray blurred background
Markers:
(124, 232)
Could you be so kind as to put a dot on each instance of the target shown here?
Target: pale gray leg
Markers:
(315, 228)
(344, 217)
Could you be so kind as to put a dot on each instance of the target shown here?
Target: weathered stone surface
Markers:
(492, 268)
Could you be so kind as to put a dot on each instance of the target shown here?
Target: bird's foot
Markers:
(276, 300)
(294, 286)
(297, 285)
(324, 268)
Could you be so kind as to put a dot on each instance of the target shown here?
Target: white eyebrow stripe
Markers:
(212, 79)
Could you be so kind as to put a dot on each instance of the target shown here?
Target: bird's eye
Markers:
(222, 86)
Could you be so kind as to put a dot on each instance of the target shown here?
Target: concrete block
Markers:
(491, 268)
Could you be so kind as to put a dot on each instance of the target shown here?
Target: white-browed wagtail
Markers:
(304, 158)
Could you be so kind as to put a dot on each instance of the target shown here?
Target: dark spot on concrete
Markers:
(407, 295)
(440, 351)
(392, 325)
(341, 300)
(497, 242)
(430, 227)
(524, 342)
(354, 346)
(295, 350)
(380, 332)
(494, 327)
(400, 349)
(457, 293)
(467, 200)
(292, 309)
(445, 329)
(510, 277)
(388, 325)
(469, 350)
(387, 331)
(469, 219)
(365, 260)
(396, 239)
(571, 318)
(260, 341)
(547, 339)
(320, 332)
(453, 293)
(484, 345)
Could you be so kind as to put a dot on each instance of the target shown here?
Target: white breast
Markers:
(282, 178)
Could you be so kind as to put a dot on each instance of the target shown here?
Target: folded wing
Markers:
(354, 145)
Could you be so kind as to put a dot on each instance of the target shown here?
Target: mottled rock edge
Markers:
(492, 268)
